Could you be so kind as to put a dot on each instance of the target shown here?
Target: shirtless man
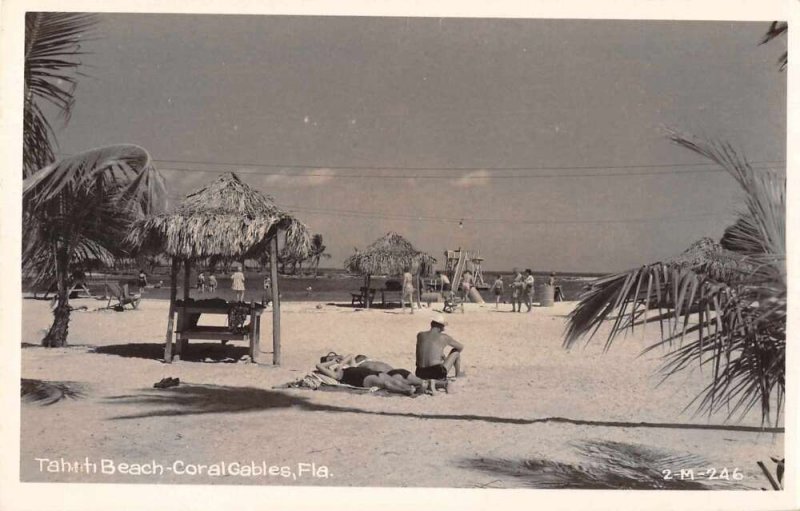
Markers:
(431, 361)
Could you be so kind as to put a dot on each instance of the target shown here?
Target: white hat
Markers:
(438, 317)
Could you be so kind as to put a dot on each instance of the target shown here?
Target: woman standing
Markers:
(237, 283)
(408, 291)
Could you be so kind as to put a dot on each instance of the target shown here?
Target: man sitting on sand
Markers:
(431, 361)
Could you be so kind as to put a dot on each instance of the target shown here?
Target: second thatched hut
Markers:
(389, 255)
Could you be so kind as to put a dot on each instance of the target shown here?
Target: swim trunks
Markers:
(355, 375)
(405, 373)
(437, 372)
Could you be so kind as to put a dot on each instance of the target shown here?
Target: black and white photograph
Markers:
(321, 251)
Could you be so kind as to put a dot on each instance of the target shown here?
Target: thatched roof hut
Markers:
(226, 218)
(390, 255)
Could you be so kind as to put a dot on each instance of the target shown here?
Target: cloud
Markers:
(474, 178)
(298, 178)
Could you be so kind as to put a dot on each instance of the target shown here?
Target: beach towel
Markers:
(315, 381)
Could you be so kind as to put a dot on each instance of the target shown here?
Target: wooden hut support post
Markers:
(367, 291)
(182, 341)
(276, 301)
(173, 292)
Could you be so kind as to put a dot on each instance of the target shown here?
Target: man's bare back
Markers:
(430, 347)
(431, 360)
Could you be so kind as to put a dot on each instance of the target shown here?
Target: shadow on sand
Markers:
(196, 352)
(609, 466)
(190, 399)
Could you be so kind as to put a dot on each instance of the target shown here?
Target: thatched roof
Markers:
(226, 218)
(390, 255)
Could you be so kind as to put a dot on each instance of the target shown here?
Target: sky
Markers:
(537, 143)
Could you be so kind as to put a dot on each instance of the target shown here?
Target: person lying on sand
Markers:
(431, 361)
(359, 371)
(333, 360)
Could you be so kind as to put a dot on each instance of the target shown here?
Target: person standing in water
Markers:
(142, 281)
(201, 282)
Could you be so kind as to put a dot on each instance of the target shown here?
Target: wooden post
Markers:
(367, 292)
(173, 292)
(419, 292)
(187, 273)
(276, 301)
(253, 333)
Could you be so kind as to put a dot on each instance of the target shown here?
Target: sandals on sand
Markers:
(166, 383)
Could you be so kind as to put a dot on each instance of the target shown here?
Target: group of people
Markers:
(209, 284)
(432, 365)
(522, 289)
(206, 283)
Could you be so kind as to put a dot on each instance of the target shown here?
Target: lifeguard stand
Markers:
(458, 261)
(477, 273)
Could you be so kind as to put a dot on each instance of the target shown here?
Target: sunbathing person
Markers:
(431, 361)
(359, 371)
(333, 360)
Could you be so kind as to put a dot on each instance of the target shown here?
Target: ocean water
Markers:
(328, 286)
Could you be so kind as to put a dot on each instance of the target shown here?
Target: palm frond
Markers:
(730, 297)
(85, 204)
(608, 466)
(47, 393)
(52, 50)
(776, 29)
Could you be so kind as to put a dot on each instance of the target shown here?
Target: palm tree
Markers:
(52, 47)
(721, 304)
(317, 252)
(80, 208)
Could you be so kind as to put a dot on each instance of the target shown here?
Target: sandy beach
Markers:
(524, 398)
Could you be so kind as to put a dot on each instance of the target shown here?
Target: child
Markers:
(201, 282)
(497, 287)
(237, 283)
(212, 283)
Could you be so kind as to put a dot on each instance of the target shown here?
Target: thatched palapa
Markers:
(226, 218)
(390, 255)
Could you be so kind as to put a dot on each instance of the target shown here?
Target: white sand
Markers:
(519, 376)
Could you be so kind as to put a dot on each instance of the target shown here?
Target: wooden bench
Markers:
(186, 330)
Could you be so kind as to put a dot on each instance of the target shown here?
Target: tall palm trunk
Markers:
(57, 335)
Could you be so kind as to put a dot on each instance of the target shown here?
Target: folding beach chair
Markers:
(122, 295)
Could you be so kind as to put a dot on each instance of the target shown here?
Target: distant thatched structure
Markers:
(225, 219)
(390, 255)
